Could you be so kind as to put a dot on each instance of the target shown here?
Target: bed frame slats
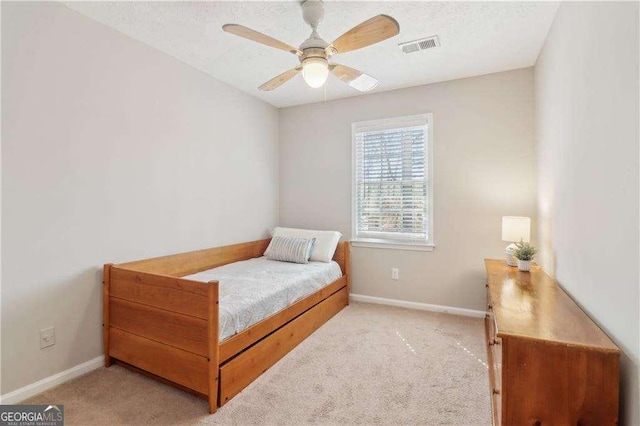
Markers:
(174, 329)
(179, 366)
(134, 286)
(200, 260)
(120, 273)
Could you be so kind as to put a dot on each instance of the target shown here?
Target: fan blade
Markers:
(278, 81)
(374, 30)
(252, 35)
(354, 78)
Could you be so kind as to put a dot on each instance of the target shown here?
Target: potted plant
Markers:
(525, 253)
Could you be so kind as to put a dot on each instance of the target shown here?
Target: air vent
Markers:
(421, 44)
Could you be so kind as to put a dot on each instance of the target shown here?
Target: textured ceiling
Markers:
(477, 38)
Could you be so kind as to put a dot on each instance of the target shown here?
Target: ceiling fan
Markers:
(314, 52)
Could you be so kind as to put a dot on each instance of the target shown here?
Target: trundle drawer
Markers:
(240, 371)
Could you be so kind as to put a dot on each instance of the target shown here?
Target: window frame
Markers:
(386, 243)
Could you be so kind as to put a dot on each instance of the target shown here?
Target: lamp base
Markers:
(508, 252)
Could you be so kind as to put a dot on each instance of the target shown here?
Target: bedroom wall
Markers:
(111, 151)
(484, 168)
(586, 84)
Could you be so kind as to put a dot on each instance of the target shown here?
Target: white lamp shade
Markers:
(516, 228)
(315, 71)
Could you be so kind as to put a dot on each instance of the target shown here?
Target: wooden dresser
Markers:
(549, 363)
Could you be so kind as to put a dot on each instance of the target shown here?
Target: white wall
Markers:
(111, 151)
(586, 83)
(484, 168)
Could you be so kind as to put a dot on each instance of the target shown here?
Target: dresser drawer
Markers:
(488, 297)
(496, 351)
(494, 362)
(494, 345)
(496, 408)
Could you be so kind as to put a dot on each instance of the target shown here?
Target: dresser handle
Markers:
(496, 342)
(489, 306)
(491, 343)
(496, 391)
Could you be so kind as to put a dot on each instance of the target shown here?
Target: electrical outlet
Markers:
(47, 337)
(395, 273)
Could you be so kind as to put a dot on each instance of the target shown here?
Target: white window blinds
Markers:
(391, 180)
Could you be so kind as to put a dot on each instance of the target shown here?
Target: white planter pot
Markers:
(524, 265)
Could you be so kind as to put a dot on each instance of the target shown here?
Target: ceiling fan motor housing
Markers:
(313, 12)
(313, 47)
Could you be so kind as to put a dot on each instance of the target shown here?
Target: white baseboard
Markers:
(417, 305)
(40, 386)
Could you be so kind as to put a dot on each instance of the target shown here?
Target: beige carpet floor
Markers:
(368, 365)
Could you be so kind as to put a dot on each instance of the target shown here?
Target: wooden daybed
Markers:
(165, 326)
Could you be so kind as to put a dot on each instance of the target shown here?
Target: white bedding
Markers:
(254, 289)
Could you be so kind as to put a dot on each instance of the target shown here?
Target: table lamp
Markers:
(515, 229)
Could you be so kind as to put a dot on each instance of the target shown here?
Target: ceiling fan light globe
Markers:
(315, 71)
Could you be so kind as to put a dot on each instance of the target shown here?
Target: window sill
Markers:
(381, 244)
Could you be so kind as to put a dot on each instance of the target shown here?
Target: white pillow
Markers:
(295, 250)
(326, 241)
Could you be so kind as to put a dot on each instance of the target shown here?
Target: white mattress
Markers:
(254, 289)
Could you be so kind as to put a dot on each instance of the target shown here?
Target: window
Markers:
(392, 183)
